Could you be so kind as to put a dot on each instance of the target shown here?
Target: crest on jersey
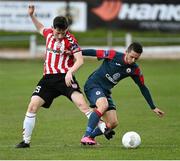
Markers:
(59, 45)
(128, 70)
(98, 93)
(106, 53)
(116, 76)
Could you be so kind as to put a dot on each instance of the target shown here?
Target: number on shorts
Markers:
(37, 90)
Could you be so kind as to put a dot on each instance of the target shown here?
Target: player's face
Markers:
(131, 57)
(58, 34)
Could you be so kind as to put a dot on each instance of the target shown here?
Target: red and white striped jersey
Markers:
(56, 59)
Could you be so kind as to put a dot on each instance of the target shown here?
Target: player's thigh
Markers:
(35, 103)
(111, 119)
(102, 104)
(79, 101)
(97, 98)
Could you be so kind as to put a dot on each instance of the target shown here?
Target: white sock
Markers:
(101, 123)
(102, 126)
(28, 125)
(88, 114)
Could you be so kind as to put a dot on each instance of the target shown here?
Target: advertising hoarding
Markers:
(138, 15)
(14, 16)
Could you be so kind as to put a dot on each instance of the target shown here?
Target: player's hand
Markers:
(159, 112)
(67, 52)
(31, 10)
(69, 79)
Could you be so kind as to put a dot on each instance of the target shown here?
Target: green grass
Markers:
(59, 129)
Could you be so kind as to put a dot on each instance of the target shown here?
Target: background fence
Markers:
(37, 50)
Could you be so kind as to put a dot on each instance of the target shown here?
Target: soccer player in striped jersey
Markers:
(58, 77)
(115, 67)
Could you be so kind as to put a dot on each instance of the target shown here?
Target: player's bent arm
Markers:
(78, 62)
(37, 24)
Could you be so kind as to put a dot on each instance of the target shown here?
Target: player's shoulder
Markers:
(71, 41)
(70, 37)
(47, 31)
(119, 56)
(136, 69)
(134, 66)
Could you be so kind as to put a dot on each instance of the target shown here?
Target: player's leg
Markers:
(80, 102)
(42, 96)
(98, 130)
(96, 98)
(102, 106)
(110, 117)
(108, 132)
(29, 120)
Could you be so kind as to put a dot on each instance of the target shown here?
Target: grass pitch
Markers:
(59, 129)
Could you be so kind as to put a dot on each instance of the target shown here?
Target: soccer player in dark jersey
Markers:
(58, 76)
(115, 67)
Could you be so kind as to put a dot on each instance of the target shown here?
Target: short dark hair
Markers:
(135, 46)
(60, 22)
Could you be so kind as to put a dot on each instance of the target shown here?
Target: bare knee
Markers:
(35, 103)
(80, 102)
(83, 107)
(102, 104)
(112, 124)
(32, 107)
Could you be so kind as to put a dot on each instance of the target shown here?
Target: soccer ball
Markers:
(131, 139)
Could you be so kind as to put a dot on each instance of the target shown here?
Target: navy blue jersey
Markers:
(114, 69)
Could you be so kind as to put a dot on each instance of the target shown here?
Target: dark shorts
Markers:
(52, 86)
(93, 94)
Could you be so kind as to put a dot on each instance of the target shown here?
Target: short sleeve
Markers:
(46, 32)
(73, 44)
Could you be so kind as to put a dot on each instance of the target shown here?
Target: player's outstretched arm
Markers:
(147, 96)
(158, 112)
(89, 52)
(39, 26)
(100, 54)
(146, 93)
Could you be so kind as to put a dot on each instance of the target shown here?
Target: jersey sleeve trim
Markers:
(74, 47)
(105, 54)
(140, 75)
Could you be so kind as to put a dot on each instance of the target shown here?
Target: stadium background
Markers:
(59, 129)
